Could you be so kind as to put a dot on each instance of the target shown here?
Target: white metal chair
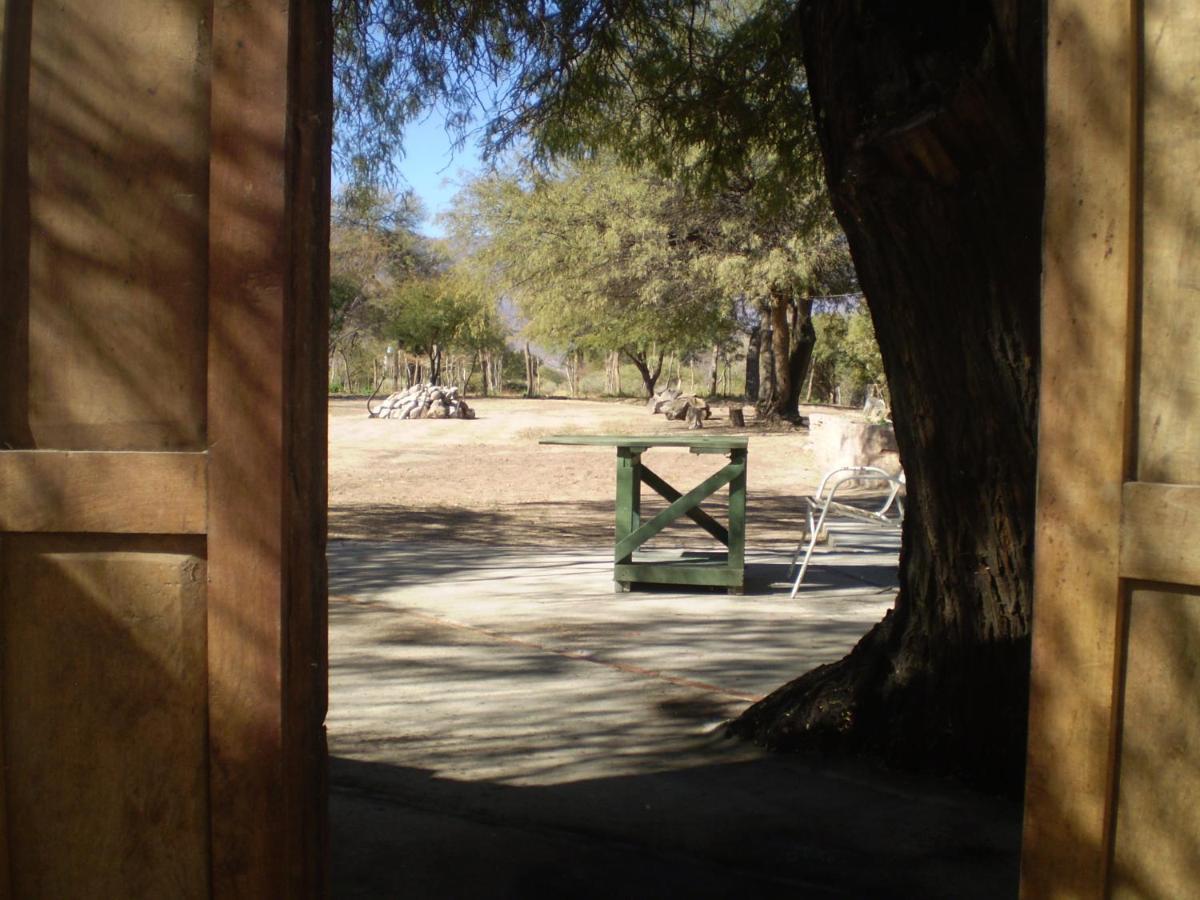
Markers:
(819, 505)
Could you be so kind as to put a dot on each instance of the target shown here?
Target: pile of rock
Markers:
(424, 401)
(678, 406)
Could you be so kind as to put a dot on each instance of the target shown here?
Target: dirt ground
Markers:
(489, 481)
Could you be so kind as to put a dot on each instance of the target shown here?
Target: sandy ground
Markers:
(489, 481)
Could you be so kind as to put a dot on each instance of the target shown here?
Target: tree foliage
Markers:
(597, 257)
(390, 286)
(846, 361)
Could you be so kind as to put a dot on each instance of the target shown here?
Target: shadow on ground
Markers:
(773, 520)
(504, 725)
(773, 827)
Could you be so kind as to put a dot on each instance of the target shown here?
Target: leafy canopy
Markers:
(596, 256)
(713, 91)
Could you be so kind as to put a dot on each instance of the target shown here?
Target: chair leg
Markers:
(810, 533)
(812, 543)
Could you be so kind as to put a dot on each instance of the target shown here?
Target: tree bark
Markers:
(931, 128)
(752, 369)
(642, 363)
(530, 373)
(791, 341)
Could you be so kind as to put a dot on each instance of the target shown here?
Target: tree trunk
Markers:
(803, 341)
(930, 122)
(435, 364)
(766, 388)
(642, 364)
(714, 372)
(752, 353)
(791, 341)
(530, 374)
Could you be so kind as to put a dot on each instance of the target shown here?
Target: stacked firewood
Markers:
(424, 401)
(677, 406)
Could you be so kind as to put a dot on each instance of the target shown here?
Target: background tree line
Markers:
(601, 264)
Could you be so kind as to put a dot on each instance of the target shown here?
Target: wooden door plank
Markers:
(1089, 245)
(1168, 433)
(104, 679)
(16, 38)
(1159, 528)
(306, 387)
(15, 34)
(248, 277)
(659, 484)
(696, 495)
(1157, 839)
(103, 492)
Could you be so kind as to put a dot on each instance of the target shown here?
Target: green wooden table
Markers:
(632, 532)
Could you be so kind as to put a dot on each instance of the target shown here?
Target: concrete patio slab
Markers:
(502, 724)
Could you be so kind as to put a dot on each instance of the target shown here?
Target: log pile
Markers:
(424, 401)
(677, 407)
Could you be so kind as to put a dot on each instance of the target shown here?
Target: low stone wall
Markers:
(848, 440)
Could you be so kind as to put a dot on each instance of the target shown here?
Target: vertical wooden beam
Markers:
(737, 518)
(306, 391)
(249, 279)
(629, 484)
(1088, 291)
(268, 321)
(16, 22)
(15, 34)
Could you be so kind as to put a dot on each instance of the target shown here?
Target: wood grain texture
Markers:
(1157, 845)
(16, 23)
(14, 68)
(248, 281)
(1088, 258)
(102, 492)
(1168, 433)
(117, 160)
(104, 687)
(305, 424)
(1159, 528)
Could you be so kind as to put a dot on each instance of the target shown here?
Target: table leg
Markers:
(737, 520)
(629, 501)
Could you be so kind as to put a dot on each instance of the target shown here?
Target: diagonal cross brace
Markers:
(656, 483)
(680, 507)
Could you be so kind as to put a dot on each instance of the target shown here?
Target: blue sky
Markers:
(432, 169)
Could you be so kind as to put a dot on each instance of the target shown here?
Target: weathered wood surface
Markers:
(163, 199)
(78, 491)
(107, 771)
(660, 486)
(266, 495)
(1085, 341)
(678, 508)
(698, 442)
(1113, 790)
(632, 532)
(1160, 532)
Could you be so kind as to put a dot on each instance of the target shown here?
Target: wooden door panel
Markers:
(1113, 786)
(164, 185)
(1157, 840)
(117, 242)
(104, 686)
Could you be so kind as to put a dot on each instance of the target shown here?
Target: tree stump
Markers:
(736, 418)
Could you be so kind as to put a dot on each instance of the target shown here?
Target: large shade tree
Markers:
(926, 118)
(598, 257)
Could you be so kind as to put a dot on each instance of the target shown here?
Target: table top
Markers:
(697, 442)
